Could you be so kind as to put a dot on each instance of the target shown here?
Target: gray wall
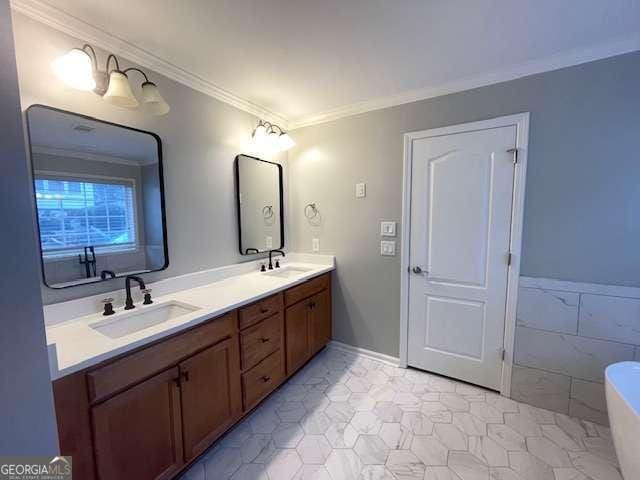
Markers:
(201, 137)
(581, 215)
(26, 402)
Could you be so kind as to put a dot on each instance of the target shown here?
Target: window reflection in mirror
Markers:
(260, 205)
(99, 198)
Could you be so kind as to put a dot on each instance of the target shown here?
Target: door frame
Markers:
(521, 121)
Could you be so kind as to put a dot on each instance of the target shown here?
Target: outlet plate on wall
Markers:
(388, 248)
(361, 190)
(315, 244)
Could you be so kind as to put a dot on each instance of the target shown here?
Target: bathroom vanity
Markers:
(149, 412)
(142, 390)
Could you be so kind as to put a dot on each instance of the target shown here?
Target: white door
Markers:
(461, 201)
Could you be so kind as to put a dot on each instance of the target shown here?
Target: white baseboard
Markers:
(363, 352)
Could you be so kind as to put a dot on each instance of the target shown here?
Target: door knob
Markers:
(417, 270)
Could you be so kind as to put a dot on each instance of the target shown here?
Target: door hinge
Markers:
(515, 154)
(509, 258)
(503, 353)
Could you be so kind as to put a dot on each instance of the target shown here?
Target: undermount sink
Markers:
(286, 272)
(133, 321)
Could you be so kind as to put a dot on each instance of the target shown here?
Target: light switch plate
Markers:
(315, 244)
(388, 229)
(388, 248)
(361, 190)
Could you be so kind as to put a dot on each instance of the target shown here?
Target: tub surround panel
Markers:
(541, 389)
(567, 333)
(580, 357)
(610, 318)
(548, 310)
(588, 401)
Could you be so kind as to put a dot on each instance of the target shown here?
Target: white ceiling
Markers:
(299, 58)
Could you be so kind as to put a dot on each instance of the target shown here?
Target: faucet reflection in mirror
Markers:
(99, 198)
(270, 138)
(79, 69)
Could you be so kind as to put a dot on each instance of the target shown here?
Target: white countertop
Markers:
(73, 345)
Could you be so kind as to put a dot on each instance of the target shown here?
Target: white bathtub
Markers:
(622, 385)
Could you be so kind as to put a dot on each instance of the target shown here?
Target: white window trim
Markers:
(60, 256)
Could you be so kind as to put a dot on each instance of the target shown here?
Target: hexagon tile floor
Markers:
(345, 417)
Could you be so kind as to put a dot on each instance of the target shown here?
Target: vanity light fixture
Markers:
(272, 137)
(78, 68)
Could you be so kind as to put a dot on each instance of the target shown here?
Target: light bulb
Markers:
(119, 92)
(259, 132)
(75, 69)
(152, 101)
(285, 142)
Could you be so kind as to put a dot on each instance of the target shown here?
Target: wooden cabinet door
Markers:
(211, 395)
(138, 433)
(297, 334)
(319, 321)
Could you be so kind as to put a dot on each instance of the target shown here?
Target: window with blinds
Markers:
(77, 213)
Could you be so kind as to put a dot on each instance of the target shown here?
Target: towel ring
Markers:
(311, 211)
(267, 211)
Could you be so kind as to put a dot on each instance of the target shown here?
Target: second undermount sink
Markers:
(133, 321)
(286, 272)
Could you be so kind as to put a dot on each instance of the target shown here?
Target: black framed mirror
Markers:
(99, 196)
(260, 204)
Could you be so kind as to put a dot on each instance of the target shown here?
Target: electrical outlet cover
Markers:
(361, 190)
(315, 244)
(388, 248)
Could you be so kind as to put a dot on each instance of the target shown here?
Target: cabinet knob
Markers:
(263, 310)
(265, 339)
(266, 378)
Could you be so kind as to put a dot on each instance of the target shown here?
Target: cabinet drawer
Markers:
(260, 340)
(135, 367)
(300, 292)
(260, 310)
(262, 379)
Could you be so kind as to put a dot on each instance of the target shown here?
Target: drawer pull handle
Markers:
(265, 339)
(263, 310)
(265, 379)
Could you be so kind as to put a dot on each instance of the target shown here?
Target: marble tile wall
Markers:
(566, 335)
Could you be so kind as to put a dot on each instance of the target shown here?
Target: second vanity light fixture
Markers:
(79, 69)
(271, 137)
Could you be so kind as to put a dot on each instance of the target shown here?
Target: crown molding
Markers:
(77, 28)
(82, 30)
(90, 156)
(561, 60)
